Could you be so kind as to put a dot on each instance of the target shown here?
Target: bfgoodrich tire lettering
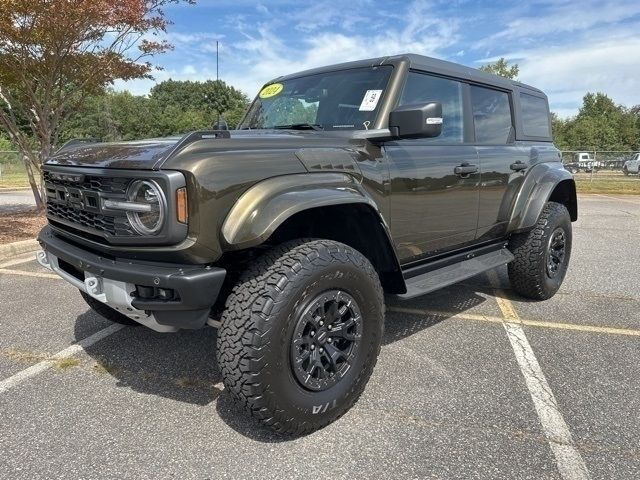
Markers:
(258, 324)
(542, 254)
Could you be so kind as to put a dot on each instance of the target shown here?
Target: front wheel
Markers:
(301, 333)
(542, 254)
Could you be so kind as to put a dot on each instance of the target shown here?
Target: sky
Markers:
(565, 48)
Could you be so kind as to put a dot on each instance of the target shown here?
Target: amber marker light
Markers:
(182, 205)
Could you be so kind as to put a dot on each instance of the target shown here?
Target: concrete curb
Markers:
(9, 250)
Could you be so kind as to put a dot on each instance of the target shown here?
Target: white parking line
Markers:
(568, 459)
(66, 353)
(24, 258)
(22, 273)
(627, 200)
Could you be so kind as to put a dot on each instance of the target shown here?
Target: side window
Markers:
(491, 115)
(421, 88)
(535, 116)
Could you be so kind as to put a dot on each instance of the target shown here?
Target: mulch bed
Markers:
(20, 226)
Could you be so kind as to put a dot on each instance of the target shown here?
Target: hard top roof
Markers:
(428, 64)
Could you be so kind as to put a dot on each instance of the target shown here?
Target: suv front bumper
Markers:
(114, 281)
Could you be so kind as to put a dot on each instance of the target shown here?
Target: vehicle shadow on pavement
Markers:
(405, 318)
(182, 366)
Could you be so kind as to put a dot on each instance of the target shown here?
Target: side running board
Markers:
(445, 276)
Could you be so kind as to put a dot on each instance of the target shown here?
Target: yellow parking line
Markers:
(508, 310)
(28, 274)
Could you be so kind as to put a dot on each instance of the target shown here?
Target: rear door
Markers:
(502, 161)
(433, 209)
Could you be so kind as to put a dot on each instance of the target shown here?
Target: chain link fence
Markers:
(12, 171)
(595, 160)
(10, 163)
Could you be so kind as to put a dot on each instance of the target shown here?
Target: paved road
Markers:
(16, 201)
(458, 392)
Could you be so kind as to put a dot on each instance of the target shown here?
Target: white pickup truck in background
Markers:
(632, 165)
(582, 162)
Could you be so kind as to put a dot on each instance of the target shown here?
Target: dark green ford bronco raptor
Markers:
(397, 175)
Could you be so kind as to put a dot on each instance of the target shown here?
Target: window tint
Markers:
(491, 115)
(422, 88)
(535, 116)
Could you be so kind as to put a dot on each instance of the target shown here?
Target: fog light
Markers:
(165, 293)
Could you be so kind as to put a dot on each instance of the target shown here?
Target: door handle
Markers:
(465, 169)
(516, 167)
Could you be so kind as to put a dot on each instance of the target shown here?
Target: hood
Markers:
(154, 153)
(139, 155)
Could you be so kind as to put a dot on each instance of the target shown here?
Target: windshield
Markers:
(340, 100)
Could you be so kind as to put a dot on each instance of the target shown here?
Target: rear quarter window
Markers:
(535, 116)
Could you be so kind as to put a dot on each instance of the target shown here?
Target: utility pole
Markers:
(217, 62)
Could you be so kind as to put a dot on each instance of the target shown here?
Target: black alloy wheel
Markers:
(556, 252)
(326, 340)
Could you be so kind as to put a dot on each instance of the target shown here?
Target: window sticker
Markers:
(271, 90)
(370, 100)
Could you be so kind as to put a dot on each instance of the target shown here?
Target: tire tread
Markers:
(245, 326)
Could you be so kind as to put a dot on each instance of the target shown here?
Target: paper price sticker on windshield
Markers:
(370, 100)
(271, 90)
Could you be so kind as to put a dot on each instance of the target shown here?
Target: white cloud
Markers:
(265, 56)
(262, 54)
(560, 17)
(566, 49)
(567, 73)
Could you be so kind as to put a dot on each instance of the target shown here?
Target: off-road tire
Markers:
(106, 311)
(528, 273)
(625, 170)
(257, 326)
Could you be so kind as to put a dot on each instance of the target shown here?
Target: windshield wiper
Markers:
(299, 126)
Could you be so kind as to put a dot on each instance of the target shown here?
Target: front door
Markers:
(434, 181)
(432, 208)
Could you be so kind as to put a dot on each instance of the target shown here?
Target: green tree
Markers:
(54, 53)
(5, 144)
(502, 68)
(198, 104)
(600, 124)
(558, 127)
(112, 116)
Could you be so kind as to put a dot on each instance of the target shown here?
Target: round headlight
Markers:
(150, 218)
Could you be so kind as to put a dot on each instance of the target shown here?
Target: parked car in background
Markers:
(584, 161)
(632, 165)
(617, 162)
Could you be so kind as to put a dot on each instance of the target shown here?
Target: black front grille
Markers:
(75, 200)
(113, 185)
(101, 223)
(78, 204)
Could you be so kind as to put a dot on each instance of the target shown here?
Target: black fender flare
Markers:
(266, 205)
(537, 189)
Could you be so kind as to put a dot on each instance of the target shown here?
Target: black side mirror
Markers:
(416, 121)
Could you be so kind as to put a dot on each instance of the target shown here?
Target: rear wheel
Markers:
(301, 333)
(106, 311)
(542, 254)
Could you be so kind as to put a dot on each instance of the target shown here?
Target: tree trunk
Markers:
(29, 162)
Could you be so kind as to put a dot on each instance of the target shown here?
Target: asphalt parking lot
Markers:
(472, 382)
